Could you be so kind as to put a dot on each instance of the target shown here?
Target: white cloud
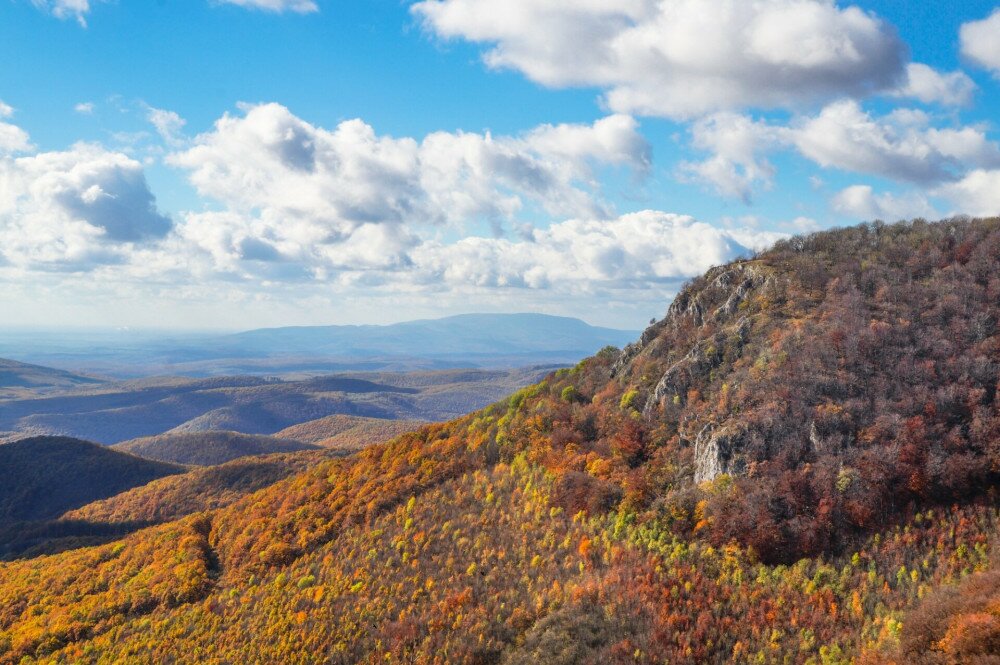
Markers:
(803, 224)
(12, 138)
(980, 42)
(65, 9)
(347, 196)
(346, 214)
(682, 58)
(278, 6)
(75, 209)
(898, 146)
(978, 193)
(862, 202)
(630, 251)
(929, 86)
(736, 143)
(168, 125)
(84, 108)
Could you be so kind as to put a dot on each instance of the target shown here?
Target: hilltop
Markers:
(208, 448)
(795, 464)
(21, 379)
(42, 477)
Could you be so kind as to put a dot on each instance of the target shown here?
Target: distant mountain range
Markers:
(114, 412)
(473, 336)
(470, 340)
(17, 379)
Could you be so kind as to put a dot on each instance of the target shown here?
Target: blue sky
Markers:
(146, 178)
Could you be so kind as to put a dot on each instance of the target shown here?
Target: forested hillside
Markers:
(42, 477)
(348, 433)
(208, 448)
(795, 465)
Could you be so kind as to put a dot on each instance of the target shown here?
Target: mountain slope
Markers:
(42, 477)
(198, 490)
(208, 448)
(776, 472)
(348, 433)
(18, 379)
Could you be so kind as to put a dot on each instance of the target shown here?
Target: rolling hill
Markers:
(42, 477)
(21, 379)
(797, 464)
(208, 448)
(201, 489)
(348, 433)
(117, 412)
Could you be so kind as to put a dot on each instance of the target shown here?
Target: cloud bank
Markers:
(350, 198)
(683, 58)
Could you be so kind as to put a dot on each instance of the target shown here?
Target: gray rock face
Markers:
(731, 284)
(704, 357)
(710, 304)
(718, 451)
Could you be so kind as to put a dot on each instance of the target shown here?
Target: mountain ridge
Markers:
(208, 448)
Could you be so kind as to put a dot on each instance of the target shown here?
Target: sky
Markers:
(198, 164)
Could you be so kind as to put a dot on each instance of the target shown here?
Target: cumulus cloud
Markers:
(737, 143)
(12, 138)
(277, 6)
(928, 85)
(349, 196)
(862, 202)
(899, 146)
(631, 250)
(980, 44)
(902, 146)
(978, 193)
(84, 108)
(75, 209)
(683, 58)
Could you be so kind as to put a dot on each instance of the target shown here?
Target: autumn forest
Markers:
(797, 464)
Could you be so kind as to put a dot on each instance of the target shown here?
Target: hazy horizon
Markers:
(24, 329)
